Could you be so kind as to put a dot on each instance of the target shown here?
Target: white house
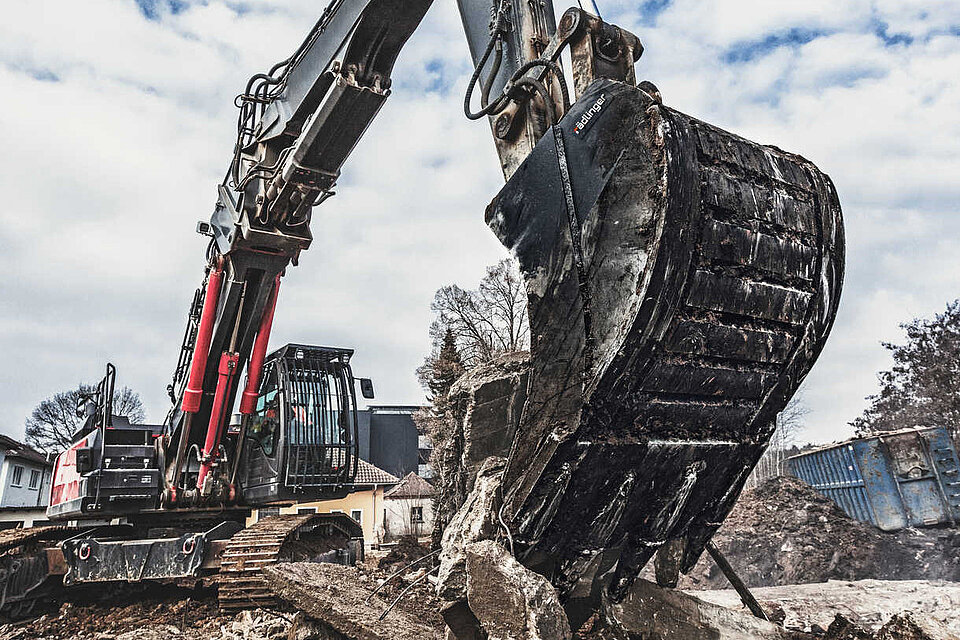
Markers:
(25, 476)
(408, 508)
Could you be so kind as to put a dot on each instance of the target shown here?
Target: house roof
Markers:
(412, 486)
(370, 474)
(14, 449)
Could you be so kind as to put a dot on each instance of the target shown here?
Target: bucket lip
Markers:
(850, 441)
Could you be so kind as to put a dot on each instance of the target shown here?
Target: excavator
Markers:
(681, 282)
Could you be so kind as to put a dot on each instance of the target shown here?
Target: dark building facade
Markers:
(389, 439)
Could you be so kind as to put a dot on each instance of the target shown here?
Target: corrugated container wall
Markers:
(895, 480)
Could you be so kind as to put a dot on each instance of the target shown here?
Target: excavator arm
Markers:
(297, 124)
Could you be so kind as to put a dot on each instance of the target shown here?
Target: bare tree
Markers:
(483, 322)
(53, 422)
(790, 423)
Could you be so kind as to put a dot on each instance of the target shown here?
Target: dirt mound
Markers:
(784, 532)
(407, 550)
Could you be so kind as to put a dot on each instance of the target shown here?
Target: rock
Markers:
(910, 626)
(843, 629)
(461, 623)
(475, 521)
(510, 601)
(649, 611)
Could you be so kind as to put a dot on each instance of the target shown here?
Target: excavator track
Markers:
(242, 585)
(281, 538)
(14, 538)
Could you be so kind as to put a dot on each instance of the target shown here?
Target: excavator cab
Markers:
(302, 435)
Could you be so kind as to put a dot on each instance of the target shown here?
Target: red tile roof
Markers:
(368, 474)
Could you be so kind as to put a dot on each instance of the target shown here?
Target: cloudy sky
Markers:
(118, 124)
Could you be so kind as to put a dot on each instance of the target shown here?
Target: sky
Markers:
(118, 121)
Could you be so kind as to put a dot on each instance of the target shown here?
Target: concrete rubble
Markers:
(336, 598)
(484, 413)
(510, 601)
(867, 603)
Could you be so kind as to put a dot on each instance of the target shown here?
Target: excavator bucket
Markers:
(682, 281)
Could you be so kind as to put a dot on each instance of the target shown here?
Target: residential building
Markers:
(408, 508)
(25, 475)
(365, 504)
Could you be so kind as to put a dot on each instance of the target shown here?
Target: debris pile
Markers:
(784, 532)
(408, 549)
(153, 613)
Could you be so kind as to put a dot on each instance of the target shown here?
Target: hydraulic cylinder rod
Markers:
(193, 393)
(255, 369)
(248, 401)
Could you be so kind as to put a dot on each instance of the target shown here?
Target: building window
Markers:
(357, 515)
(17, 479)
(34, 478)
(302, 511)
(416, 514)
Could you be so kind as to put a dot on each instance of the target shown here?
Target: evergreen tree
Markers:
(446, 367)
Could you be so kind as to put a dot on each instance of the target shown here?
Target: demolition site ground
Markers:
(816, 572)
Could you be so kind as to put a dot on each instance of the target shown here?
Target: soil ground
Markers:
(784, 532)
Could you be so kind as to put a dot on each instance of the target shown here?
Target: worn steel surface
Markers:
(681, 283)
(896, 480)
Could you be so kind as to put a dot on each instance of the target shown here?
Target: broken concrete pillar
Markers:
(475, 521)
(334, 596)
(484, 410)
(487, 402)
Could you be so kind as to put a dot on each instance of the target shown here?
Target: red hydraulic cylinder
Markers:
(248, 401)
(194, 391)
(226, 372)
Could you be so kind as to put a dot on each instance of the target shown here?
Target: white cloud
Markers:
(107, 169)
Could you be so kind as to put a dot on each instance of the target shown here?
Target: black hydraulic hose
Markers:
(484, 110)
(553, 66)
(499, 103)
(538, 87)
(494, 70)
(267, 79)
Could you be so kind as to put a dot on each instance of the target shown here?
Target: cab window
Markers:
(265, 422)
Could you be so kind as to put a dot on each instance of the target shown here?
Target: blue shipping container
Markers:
(894, 480)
